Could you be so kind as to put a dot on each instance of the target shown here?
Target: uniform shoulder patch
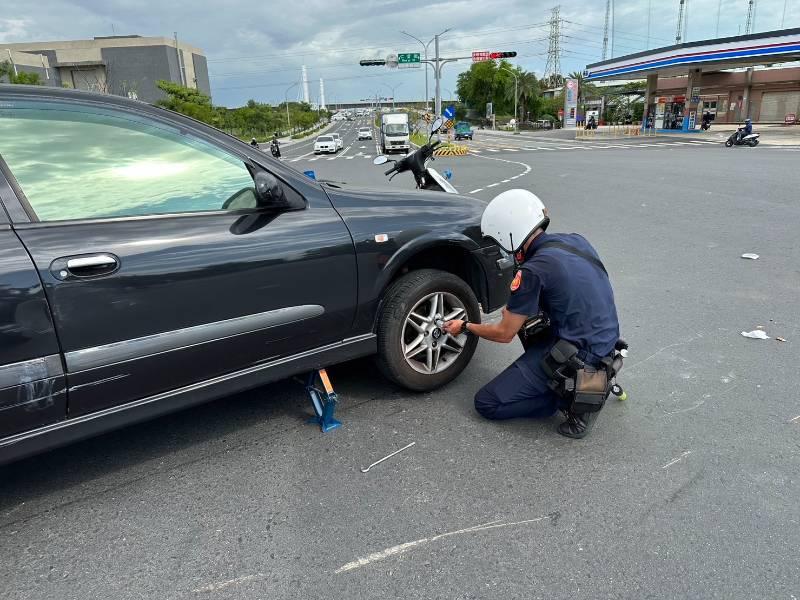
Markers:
(517, 281)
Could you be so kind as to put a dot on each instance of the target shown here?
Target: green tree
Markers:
(7, 70)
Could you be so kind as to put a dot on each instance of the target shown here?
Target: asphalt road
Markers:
(687, 490)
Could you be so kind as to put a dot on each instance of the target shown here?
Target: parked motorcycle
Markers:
(746, 140)
(427, 178)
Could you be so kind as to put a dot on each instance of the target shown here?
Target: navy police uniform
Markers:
(577, 296)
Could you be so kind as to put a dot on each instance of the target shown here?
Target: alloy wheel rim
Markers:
(426, 346)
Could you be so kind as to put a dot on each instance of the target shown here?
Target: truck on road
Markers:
(394, 133)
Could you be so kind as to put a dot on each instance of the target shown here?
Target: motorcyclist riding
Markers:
(744, 131)
(254, 143)
(275, 146)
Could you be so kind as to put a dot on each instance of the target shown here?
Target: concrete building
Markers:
(123, 65)
(755, 76)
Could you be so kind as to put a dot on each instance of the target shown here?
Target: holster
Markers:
(534, 329)
(583, 388)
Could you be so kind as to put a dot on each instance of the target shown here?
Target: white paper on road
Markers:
(756, 334)
(750, 255)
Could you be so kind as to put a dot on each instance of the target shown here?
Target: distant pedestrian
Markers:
(254, 143)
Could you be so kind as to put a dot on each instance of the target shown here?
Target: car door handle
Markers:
(97, 261)
(85, 266)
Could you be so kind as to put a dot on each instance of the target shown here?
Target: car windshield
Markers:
(396, 129)
(364, 129)
(325, 138)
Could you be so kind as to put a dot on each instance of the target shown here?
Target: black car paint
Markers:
(112, 353)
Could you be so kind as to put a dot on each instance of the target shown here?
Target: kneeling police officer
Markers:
(560, 278)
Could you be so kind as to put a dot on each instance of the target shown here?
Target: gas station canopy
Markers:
(708, 55)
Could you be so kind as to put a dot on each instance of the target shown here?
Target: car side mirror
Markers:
(380, 160)
(437, 125)
(269, 191)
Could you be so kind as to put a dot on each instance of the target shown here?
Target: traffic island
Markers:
(451, 150)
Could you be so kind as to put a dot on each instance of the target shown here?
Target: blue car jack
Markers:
(324, 400)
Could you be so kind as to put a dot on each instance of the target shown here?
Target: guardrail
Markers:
(611, 130)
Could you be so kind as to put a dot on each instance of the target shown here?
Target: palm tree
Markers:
(528, 90)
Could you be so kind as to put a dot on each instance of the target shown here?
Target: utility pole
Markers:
(719, 11)
(678, 32)
(748, 28)
(425, 48)
(552, 69)
(649, 15)
(605, 29)
(286, 99)
(516, 83)
(783, 18)
(438, 100)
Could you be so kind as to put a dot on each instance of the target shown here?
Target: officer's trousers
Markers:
(519, 391)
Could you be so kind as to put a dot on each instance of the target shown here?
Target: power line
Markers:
(616, 31)
(349, 64)
(283, 55)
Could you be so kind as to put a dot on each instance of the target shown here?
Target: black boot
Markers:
(577, 426)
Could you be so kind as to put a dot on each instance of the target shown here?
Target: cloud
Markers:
(255, 49)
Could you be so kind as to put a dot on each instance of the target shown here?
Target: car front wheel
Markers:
(414, 351)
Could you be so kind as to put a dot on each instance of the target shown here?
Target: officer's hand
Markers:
(453, 327)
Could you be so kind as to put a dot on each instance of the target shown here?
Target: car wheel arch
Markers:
(452, 255)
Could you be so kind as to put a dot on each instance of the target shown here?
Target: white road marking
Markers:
(405, 547)
(492, 185)
(543, 148)
(492, 150)
(481, 189)
(218, 585)
(511, 149)
(795, 419)
(505, 180)
(674, 460)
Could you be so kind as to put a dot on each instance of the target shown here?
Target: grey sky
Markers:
(255, 49)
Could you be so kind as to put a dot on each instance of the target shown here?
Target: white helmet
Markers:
(512, 217)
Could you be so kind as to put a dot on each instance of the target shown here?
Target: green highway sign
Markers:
(408, 58)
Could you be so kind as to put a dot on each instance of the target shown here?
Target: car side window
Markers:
(80, 162)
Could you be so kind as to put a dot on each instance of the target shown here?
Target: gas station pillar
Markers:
(649, 97)
(690, 116)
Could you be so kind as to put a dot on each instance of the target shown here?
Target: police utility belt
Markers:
(584, 387)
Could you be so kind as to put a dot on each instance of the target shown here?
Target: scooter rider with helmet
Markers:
(559, 278)
(744, 131)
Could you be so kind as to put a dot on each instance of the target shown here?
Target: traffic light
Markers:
(372, 62)
(494, 55)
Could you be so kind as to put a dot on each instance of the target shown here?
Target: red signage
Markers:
(560, 113)
(790, 119)
(481, 56)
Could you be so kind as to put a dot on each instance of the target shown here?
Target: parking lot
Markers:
(686, 490)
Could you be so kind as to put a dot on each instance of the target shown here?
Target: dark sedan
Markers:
(149, 262)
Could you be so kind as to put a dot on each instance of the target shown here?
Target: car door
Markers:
(158, 267)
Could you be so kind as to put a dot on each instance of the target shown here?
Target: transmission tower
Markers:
(605, 30)
(751, 10)
(552, 70)
(678, 33)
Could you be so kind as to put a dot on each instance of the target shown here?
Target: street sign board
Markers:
(449, 112)
(570, 101)
(480, 55)
(408, 58)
